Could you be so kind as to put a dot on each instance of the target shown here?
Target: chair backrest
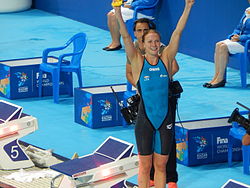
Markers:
(247, 55)
(79, 44)
(148, 10)
(242, 63)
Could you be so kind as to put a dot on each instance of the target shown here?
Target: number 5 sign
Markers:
(13, 156)
(15, 152)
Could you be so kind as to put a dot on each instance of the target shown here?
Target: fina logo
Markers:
(222, 140)
(154, 69)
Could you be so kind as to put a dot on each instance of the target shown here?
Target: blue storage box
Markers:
(19, 79)
(97, 107)
(204, 141)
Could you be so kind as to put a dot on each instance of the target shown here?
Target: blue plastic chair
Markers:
(244, 62)
(235, 135)
(78, 42)
(140, 9)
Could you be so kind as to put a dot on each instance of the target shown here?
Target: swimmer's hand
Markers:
(117, 3)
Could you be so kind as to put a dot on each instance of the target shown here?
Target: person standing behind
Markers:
(234, 44)
(141, 26)
(127, 12)
(152, 72)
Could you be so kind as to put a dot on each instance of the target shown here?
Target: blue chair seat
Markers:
(237, 133)
(48, 67)
(243, 59)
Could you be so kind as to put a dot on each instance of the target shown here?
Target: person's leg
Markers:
(172, 175)
(114, 30)
(171, 168)
(216, 60)
(144, 134)
(160, 162)
(152, 172)
(221, 55)
(221, 60)
(145, 163)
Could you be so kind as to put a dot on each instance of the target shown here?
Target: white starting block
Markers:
(108, 166)
(234, 184)
(13, 126)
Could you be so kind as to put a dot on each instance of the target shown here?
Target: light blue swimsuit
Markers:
(153, 84)
(154, 122)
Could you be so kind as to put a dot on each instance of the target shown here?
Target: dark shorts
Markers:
(149, 139)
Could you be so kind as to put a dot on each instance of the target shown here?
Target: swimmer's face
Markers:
(152, 43)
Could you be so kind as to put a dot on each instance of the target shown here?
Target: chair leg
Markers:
(245, 155)
(230, 151)
(56, 85)
(40, 83)
(70, 85)
(243, 70)
(79, 75)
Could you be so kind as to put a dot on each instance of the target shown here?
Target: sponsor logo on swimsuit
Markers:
(169, 126)
(163, 75)
(146, 78)
(154, 69)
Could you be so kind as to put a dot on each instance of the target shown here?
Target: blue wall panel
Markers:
(92, 12)
(210, 20)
